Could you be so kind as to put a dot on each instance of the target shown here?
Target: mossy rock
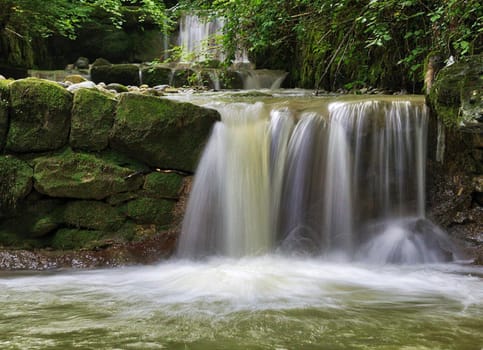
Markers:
(101, 62)
(126, 74)
(75, 78)
(163, 185)
(16, 181)
(4, 103)
(162, 133)
(456, 94)
(184, 77)
(82, 176)
(34, 219)
(69, 239)
(92, 119)
(230, 80)
(150, 211)
(40, 116)
(156, 75)
(93, 215)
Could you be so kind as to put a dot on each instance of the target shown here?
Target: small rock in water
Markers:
(117, 87)
(83, 85)
(161, 87)
(75, 78)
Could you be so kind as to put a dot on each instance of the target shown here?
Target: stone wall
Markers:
(455, 166)
(91, 170)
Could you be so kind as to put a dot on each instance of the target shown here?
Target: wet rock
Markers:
(40, 116)
(162, 133)
(92, 119)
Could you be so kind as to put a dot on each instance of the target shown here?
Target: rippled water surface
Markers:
(268, 302)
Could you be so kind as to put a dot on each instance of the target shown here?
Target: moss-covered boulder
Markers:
(156, 75)
(93, 215)
(83, 176)
(15, 181)
(163, 185)
(150, 211)
(457, 93)
(4, 102)
(126, 74)
(92, 119)
(160, 132)
(40, 116)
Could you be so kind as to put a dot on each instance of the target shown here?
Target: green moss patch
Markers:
(150, 211)
(40, 116)
(92, 215)
(83, 176)
(92, 119)
(16, 181)
(163, 184)
(67, 239)
(160, 132)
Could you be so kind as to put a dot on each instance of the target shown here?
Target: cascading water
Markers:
(197, 38)
(346, 182)
(290, 177)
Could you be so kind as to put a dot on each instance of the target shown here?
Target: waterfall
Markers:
(346, 182)
(197, 38)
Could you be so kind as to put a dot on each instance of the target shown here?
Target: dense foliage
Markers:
(322, 43)
(25, 23)
(328, 44)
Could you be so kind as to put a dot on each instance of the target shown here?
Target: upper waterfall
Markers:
(346, 180)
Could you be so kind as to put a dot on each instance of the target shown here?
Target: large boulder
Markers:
(83, 176)
(457, 93)
(92, 119)
(4, 102)
(160, 132)
(40, 116)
